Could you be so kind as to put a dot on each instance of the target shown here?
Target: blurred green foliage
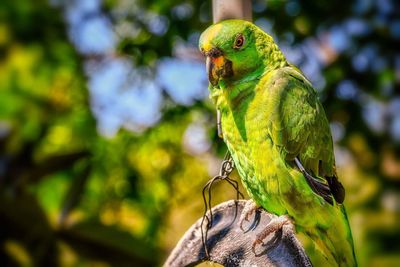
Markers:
(71, 197)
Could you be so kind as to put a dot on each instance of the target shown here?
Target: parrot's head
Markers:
(236, 50)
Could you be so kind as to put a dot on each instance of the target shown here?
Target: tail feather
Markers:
(349, 236)
(335, 243)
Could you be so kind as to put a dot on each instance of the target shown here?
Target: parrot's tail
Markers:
(336, 242)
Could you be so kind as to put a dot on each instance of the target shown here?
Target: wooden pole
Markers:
(231, 9)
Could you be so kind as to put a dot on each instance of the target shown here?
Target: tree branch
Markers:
(229, 245)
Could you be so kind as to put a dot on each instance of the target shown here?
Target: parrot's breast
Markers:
(258, 162)
(269, 180)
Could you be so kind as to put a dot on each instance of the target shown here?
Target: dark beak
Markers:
(218, 67)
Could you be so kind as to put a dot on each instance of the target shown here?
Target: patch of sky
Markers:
(365, 58)
(379, 63)
(195, 138)
(121, 96)
(311, 65)
(338, 131)
(90, 31)
(347, 90)
(343, 156)
(394, 111)
(361, 7)
(395, 29)
(384, 7)
(305, 57)
(157, 24)
(182, 11)
(395, 128)
(374, 114)
(124, 95)
(259, 6)
(185, 81)
(339, 39)
(357, 27)
(94, 36)
(266, 25)
(292, 53)
(193, 39)
(288, 37)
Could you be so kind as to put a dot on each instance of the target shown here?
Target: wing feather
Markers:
(299, 127)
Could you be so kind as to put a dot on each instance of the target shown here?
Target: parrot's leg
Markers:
(274, 225)
(248, 210)
(316, 185)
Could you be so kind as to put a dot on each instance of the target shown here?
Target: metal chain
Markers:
(227, 167)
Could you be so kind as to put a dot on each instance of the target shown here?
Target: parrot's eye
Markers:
(239, 41)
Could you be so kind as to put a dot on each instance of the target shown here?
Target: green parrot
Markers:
(278, 135)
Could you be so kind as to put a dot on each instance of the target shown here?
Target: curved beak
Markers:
(217, 66)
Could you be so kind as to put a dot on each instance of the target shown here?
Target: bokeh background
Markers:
(107, 134)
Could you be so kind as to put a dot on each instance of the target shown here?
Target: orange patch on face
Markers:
(218, 61)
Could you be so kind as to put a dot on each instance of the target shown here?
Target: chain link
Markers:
(227, 166)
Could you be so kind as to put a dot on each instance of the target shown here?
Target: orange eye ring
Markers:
(239, 41)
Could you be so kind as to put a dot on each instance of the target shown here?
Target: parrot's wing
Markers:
(300, 129)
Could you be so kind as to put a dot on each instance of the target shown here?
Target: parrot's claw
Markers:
(274, 225)
(248, 210)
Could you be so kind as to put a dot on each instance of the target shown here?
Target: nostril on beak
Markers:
(214, 52)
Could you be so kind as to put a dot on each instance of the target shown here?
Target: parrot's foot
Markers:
(248, 210)
(274, 225)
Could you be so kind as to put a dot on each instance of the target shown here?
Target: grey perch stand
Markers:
(229, 245)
